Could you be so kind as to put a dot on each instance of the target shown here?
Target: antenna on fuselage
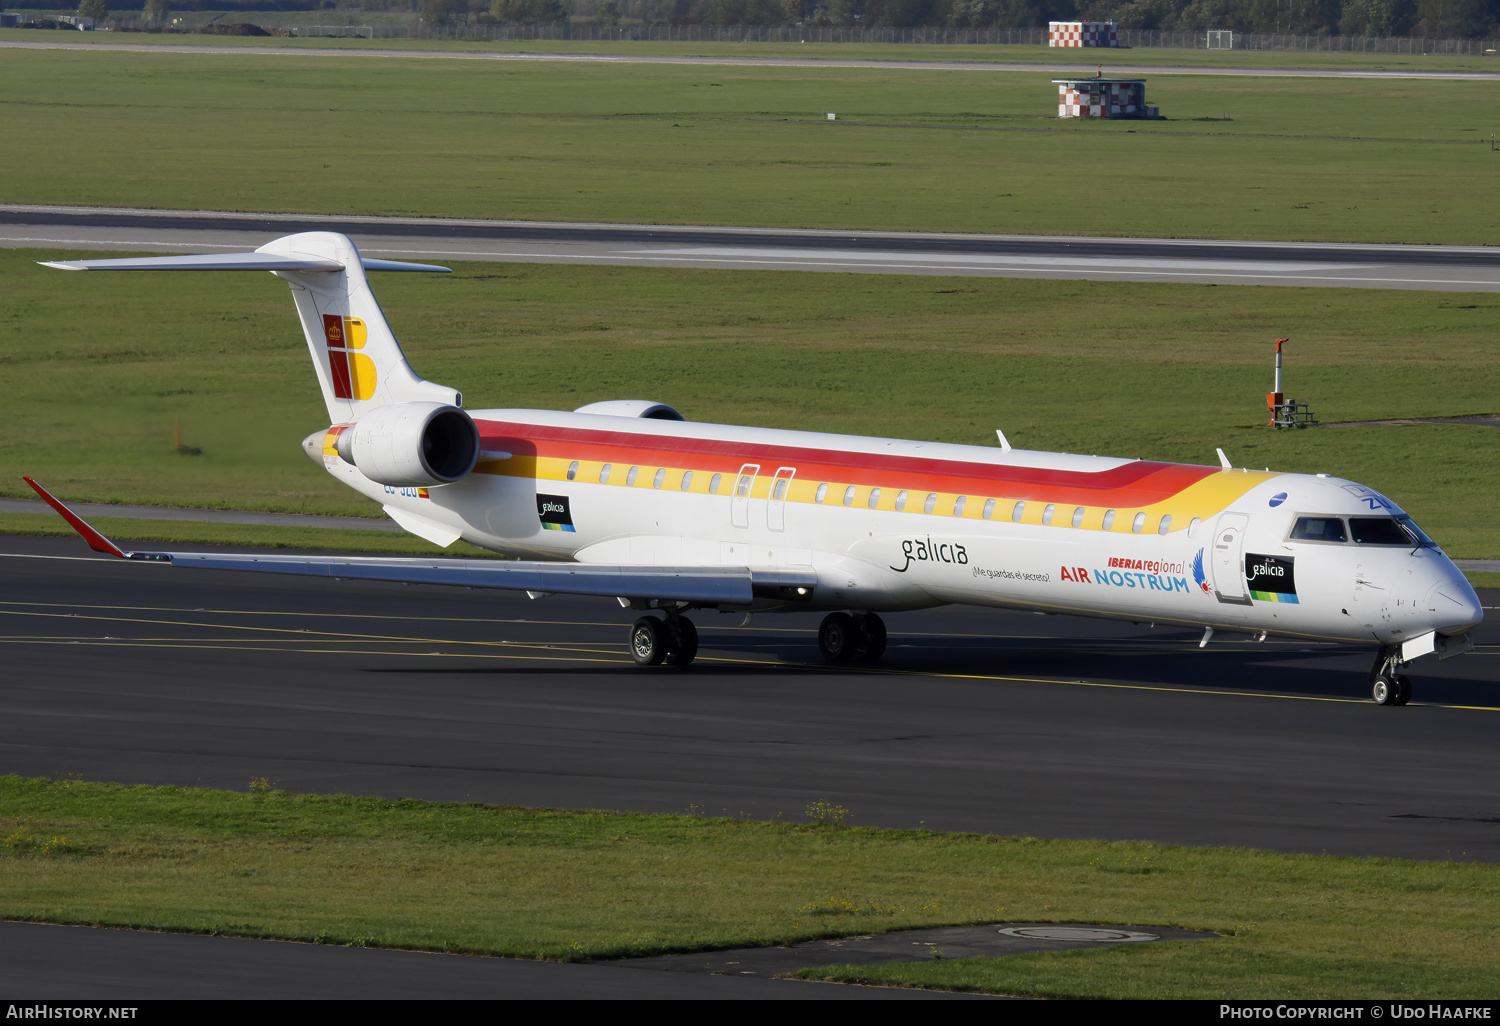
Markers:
(1223, 460)
(1004, 445)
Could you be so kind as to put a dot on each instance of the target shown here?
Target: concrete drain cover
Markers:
(1074, 934)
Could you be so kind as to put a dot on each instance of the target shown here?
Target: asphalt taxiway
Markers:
(1331, 265)
(976, 721)
(1052, 67)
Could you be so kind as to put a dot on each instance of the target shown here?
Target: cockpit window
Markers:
(1421, 535)
(1321, 529)
(1380, 531)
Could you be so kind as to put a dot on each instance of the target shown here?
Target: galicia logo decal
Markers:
(1270, 578)
(553, 512)
(1198, 574)
(1278, 499)
(919, 551)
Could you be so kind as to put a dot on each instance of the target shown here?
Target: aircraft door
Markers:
(739, 500)
(1228, 559)
(781, 484)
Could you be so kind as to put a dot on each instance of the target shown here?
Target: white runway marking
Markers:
(1018, 262)
(1048, 68)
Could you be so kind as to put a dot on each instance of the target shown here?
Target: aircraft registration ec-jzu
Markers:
(626, 499)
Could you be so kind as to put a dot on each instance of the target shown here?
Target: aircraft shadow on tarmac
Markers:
(1167, 659)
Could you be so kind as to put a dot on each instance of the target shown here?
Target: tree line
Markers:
(1443, 19)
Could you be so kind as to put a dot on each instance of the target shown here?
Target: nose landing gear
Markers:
(1387, 687)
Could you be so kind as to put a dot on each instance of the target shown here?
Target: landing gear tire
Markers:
(1387, 687)
(837, 637)
(871, 639)
(648, 641)
(844, 639)
(682, 641)
(1385, 690)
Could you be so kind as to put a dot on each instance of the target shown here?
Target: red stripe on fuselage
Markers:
(1135, 484)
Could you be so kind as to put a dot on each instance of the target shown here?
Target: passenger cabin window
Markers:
(1193, 526)
(572, 470)
(1048, 511)
(1379, 531)
(931, 503)
(779, 492)
(989, 508)
(900, 500)
(631, 475)
(958, 505)
(742, 488)
(849, 496)
(822, 492)
(874, 498)
(1165, 526)
(1018, 512)
(1109, 519)
(1318, 529)
(660, 478)
(1138, 524)
(713, 484)
(687, 480)
(604, 474)
(1078, 517)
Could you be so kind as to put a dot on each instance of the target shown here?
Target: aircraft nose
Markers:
(1453, 606)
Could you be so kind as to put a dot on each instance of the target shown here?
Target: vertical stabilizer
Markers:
(359, 363)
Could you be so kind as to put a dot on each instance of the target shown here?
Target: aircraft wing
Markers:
(712, 586)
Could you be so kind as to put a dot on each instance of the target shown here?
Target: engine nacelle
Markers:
(412, 444)
(640, 408)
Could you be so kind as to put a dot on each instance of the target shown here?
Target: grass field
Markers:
(1259, 158)
(573, 885)
(98, 367)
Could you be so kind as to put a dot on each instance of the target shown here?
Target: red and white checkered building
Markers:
(1102, 98)
(1082, 33)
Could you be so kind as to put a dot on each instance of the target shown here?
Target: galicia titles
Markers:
(919, 551)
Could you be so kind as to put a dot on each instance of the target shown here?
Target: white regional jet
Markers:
(627, 499)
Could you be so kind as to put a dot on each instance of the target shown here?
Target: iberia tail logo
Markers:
(353, 373)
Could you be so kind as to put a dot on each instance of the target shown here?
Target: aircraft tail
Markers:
(359, 363)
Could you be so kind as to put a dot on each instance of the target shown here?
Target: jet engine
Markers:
(410, 444)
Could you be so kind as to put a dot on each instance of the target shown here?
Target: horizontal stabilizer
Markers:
(234, 262)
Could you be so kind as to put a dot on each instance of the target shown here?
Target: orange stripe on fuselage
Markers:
(1134, 485)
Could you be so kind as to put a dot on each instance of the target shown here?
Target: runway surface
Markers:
(977, 721)
(1440, 268)
(1047, 67)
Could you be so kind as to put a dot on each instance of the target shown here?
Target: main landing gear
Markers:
(673, 641)
(1387, 686)
(845, 639)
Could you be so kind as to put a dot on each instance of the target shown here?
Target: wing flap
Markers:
(706, 585)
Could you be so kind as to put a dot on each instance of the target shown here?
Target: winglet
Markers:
(96, 541)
